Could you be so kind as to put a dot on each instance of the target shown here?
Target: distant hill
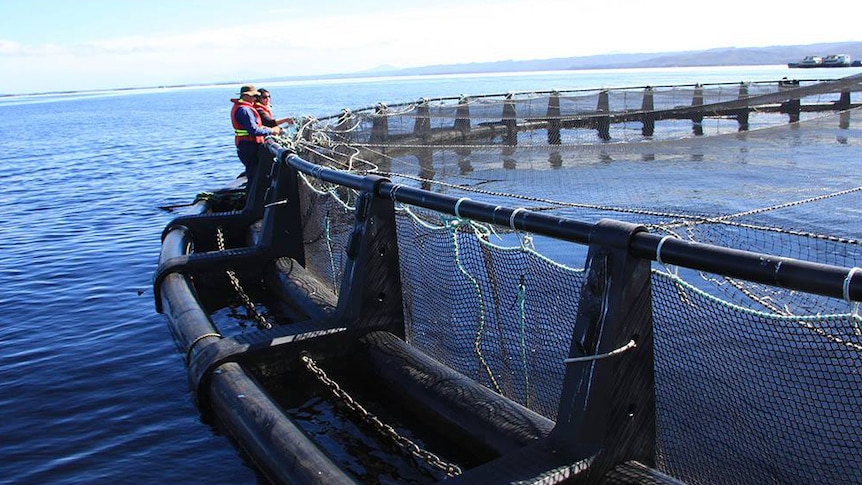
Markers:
(725, 56)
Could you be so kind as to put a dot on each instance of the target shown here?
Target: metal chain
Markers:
(234, 281)
(405, 444)
(559, 475)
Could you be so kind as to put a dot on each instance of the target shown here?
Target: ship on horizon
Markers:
(832, 60)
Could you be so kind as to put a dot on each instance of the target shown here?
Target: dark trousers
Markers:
(247, 153)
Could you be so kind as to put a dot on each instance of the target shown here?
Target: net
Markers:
(754, 384)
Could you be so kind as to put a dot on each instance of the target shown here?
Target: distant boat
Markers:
(833, 60)
(807, 61)
(837, 60)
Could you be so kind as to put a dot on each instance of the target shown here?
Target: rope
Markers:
(854, 305)
(195, 342)
(521, 300)
(658, 248)
(804, 321)
(590, 358)
(327, 232)
(846, 286)
(457, 205)
(480, 329)
(783, 206)
(512, 217)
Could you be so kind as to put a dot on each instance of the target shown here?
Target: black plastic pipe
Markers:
(820, 279)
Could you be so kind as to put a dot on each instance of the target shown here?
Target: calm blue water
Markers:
(93, 389)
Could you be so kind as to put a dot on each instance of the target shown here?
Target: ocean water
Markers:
(93, 388)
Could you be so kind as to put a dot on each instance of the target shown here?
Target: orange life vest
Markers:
(240, 133)
(262, 107)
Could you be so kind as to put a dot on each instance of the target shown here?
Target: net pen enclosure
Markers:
(656, 284)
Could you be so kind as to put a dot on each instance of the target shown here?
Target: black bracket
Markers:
(370, 296)
(281, 235)
(202, 227)
(607, 406)
(278, 343)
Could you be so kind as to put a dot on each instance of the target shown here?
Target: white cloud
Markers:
(292, 41)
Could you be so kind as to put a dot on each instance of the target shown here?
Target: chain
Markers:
(234, 281)
(559, 475)
(405, 444)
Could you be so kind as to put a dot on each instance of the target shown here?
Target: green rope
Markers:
(480, 330)
(522, 314)
(805, 321)
(327, 226)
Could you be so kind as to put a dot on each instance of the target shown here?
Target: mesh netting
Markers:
(775, 399)
(327, 224)
(485, 310)
(750, 378)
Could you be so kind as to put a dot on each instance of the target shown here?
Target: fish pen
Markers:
(656, 284)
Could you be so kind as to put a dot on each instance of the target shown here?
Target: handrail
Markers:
(793, 274)
(800, 91)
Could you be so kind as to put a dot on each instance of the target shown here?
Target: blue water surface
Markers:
(93, 388)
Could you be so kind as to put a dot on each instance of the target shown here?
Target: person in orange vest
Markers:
(264, 108)
(248, 129)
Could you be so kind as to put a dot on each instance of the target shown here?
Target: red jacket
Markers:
(266, 117)
(240, 132)
(262, 107)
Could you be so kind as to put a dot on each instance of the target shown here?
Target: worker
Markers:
(248, 128)
(264, 108)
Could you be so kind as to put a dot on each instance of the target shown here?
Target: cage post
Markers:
(844, 116)
(607, 405)
(343, 127)
(370, 294)
(462, 124)
(648, 117)
(422, 123)
(742, 114)
(380, 125)
(603, 123)
(553, 117)
(697, 113)
(425, 156)
(509, 120)
(843, 102)
(281, 225)
(462, 116)
(791, 107)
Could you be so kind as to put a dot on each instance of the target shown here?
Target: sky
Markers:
(59, 45)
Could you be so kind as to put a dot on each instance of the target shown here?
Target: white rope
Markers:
(512, 217)
(658, 248)
(458, 204)
(195, 342)
(525, 239)
(393, 192)
(589, 358)
(847, 279)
